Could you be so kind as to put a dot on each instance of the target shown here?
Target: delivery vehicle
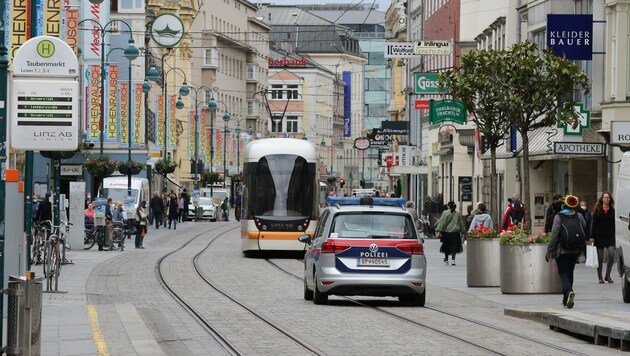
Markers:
(622, 225)
(116, 188)
(218, 194)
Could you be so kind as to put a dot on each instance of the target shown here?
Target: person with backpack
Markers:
(603, 233)
(514, 213)
(567, 237)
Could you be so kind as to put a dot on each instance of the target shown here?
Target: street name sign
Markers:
(579, 148)
(167, 30)
(44, 104)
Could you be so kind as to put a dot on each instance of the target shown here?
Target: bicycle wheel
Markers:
(46, 260)
(56, 266)
(89, 240)
(38, 247)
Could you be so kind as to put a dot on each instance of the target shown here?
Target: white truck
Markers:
(116, 188)
(622, 225)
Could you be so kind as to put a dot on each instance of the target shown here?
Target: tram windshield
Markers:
(281, 185)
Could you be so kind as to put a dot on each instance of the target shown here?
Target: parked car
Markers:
(210, 209)
(365, 246)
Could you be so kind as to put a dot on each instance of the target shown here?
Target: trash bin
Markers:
(24, 315)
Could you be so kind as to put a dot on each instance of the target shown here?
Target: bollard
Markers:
(24, 315)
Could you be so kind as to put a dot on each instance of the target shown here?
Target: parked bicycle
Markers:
(89, 239)
(38, 234)
(53, 254)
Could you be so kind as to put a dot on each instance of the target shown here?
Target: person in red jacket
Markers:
(514, 213)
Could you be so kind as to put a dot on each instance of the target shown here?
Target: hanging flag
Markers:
(124, 114)
(191, 133)
(111, 103)
(172, 122)
(160, 125)
(94, 104)
(202, 137)
(138, 111)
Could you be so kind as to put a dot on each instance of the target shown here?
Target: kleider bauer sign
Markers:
(44, 110)
(570, 36)
(578, 148)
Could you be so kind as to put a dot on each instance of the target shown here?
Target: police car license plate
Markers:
(373, 262)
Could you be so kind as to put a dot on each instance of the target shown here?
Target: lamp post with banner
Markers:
(198, 129)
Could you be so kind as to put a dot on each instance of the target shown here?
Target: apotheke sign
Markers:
(579, 148)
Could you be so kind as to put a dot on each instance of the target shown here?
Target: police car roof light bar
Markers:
(366, 201)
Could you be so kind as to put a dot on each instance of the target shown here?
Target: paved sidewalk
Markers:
(68, 322)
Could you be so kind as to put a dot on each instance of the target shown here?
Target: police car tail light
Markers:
(334, 247)
(411, 249)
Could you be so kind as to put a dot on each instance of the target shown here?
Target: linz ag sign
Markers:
(579, 148)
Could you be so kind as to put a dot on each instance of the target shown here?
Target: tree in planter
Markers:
(165, 166)
(210, 178)
(529, 89)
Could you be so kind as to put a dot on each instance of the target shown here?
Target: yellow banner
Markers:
(124, 113)
(207, 135)
(112, 103)
(95, 102)
(218, 146)
(172, 122)
(202, 137)
(18, 26)
(72, 29)
(191, 133)
(137, 115)
(52, 18)
(161, 125)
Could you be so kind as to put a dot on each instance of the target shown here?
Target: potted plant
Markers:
(130, 167)
(523, 266)
(99, 166)
(483, 267)
(165, 166)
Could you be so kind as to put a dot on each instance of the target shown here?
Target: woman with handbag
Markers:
(141, 221)
(449, 230)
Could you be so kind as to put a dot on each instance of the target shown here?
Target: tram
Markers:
(280, 194)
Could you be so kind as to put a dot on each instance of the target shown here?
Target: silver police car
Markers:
(365, 246)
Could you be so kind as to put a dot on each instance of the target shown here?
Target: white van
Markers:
(116, 188)
(217, 194)
(622, 224)
(363, 193)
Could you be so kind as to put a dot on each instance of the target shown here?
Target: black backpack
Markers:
(517, 212)
(572, 235)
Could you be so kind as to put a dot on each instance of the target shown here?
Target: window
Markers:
(252, 71)
(276, 123)
(211, 57)
(292, 124)
(276, 92)
(252, 108)
(292, 92)
(209, 96)
(127, 6)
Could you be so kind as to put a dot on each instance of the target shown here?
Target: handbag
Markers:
(591, 256)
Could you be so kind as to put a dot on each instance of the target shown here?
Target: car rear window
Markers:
(373, 226)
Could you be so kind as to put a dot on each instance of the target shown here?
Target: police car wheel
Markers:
(318, 297)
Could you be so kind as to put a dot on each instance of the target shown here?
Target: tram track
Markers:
(180, 297)
(477, 324)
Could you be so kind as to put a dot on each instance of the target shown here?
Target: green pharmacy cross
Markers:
(574, 127)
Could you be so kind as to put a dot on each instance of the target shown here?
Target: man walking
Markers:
(157, 207)
(185, 207)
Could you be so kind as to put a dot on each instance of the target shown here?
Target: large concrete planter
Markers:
(525, 271)
(483, 264)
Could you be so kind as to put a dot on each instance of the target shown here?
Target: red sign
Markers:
(287, 62)
(389, 160)
(422, 104)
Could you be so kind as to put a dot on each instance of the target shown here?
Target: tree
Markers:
(524, 87)
(210, 177)
(478, 83)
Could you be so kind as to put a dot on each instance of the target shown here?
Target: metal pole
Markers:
(165, 84)
(28, 171)
(4, 65)
(129, 146)
(196, 143)
(224, 153)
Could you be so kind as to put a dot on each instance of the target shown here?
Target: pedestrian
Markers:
(118, 215)
(603, 233)
(550, 213)
(411, 209)
(89, 216)
(157, 208)
(165, 198)
(514, 213)
(237, 206)
(588, 218)
(555, 207)
(173, 206)
(450, 228)
(225, 208)
(567, 223)
(481, 218)
(44, 211)
(186, 197)
(141, 224)
(34, 207)
(180, 208)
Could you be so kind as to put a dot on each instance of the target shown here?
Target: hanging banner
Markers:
(172, 122)
(208, 136)
(203, 142)
(191, 133)
(218, 146)
(136, 127)
(570, 35)
(92, 36)
(160, 124)
(72, 28)
(124, 114)
(17, 26)
(94, 105)
(52, 16)
(111, 106)
(347, 104)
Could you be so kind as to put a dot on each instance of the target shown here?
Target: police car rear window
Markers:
(373, 226)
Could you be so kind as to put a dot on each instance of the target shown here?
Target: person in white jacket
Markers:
(481, 218)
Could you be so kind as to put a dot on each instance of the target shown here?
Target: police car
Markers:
(365, 246)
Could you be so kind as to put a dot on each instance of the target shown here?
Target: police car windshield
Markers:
(373, 226)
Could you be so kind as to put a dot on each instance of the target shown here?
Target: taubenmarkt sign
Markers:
(579, 148)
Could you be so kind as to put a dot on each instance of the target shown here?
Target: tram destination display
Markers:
(44, 115)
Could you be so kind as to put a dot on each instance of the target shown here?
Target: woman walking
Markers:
(141, 221)
(173, 213)
(450, 227)
(603, 233)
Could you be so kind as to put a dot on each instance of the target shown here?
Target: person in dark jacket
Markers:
(157, 208)
(186, 203)
(603, 233)
(44, 211)
(173, 212)
(555, 207)
(565, 258)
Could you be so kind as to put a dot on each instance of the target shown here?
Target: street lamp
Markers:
(153, 74)
(212, 106)
(226, 119)
(131, 53)
(197, 129)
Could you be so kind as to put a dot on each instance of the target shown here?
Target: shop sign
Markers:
(579, 148)
(451, 110)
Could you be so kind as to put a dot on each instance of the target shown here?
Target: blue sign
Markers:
(570, 36)
(347, 104)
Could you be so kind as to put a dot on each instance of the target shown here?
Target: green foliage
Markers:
(210, 178)
(133, 166)
(99, 166)
(165, 166)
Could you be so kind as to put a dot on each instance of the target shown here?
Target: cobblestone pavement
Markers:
(136, 316)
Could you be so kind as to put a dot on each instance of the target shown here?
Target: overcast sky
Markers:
(382, 4)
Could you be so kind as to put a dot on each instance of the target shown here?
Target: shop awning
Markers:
(173, 181)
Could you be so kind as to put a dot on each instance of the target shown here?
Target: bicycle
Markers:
(53, 254)
(38, 235)
(119, 233)
(89, 239)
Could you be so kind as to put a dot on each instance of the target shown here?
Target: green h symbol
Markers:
(45, 49)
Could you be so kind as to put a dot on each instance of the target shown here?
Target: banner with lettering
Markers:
(92, 37)
(124, 114)
(208, 136)
(52, 15)
(93, 105)
(16, 26)
(172, 122)
(138, 115)
(111, 103)
(203, 142)
(218, 146)
(191, 133)
(72, 28)
(160, 125)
